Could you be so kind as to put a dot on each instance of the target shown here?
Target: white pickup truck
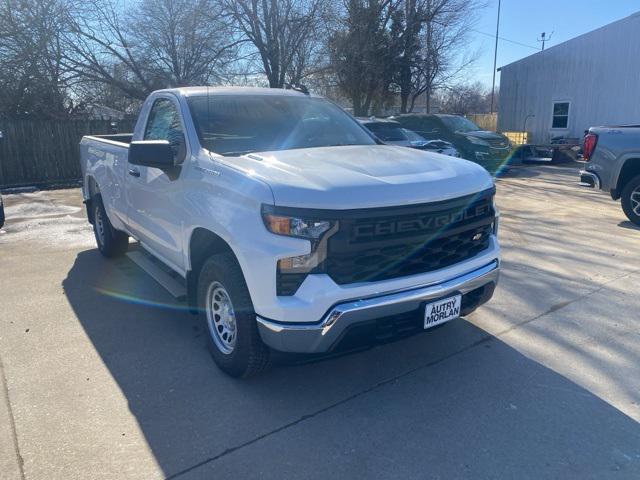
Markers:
(291, 227)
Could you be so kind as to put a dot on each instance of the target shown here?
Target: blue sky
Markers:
(523, 20)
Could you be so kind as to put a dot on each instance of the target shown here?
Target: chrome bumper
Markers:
(321, 336)
(589, 179)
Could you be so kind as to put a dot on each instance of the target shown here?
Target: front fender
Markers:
(228, 204)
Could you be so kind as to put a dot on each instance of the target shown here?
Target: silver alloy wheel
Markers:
(99, 221)
(635, 201)
(221, 318)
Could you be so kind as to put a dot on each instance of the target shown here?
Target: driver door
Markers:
(153, 200)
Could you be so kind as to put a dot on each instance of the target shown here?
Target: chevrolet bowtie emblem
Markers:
(476, 237)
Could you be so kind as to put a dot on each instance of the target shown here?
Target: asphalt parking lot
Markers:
(103, 375)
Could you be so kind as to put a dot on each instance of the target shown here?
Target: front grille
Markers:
(376, 244)
(382, 244)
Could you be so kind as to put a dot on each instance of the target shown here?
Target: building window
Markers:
(560, 115)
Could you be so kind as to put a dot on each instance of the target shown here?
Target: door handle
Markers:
(134, 172)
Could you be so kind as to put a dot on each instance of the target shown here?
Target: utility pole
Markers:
(495, 59)
(543, 38)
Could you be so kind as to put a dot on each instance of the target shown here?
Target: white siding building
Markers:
(591, 80)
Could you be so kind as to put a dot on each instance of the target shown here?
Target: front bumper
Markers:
(476, 288)
(491, 154)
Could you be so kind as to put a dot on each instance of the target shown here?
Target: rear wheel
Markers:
(227, 313)
(111, 242)
(631, 200)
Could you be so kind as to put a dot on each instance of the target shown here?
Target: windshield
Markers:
(387, 132)
(413, 136)
(459, 124)
(240, 124)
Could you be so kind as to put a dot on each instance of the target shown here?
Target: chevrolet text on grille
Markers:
(419, 224)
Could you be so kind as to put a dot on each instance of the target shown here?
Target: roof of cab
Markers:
(203, 91)
(370, 120)
(424, 115)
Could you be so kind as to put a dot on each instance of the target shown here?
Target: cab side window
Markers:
(426, 126)
(164, 124)
(431, 125)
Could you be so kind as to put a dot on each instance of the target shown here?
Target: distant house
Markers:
(591, 80)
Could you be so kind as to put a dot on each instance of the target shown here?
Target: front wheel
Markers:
(226, 310)
(631, 200)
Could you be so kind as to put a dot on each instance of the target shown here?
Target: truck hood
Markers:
(362, 176)
(485, 135)
(490, 137)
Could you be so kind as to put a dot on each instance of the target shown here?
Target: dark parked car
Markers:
(392, 133)
(486, 148)
(438, 146)
(388, 131)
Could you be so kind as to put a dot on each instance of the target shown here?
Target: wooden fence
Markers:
(44, 152)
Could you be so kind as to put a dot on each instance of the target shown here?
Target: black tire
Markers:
(630, 199)
(112, 243)
(249, 355)
(1, 213)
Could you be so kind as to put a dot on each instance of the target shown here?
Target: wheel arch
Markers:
(202, 244)
(91, 189)
(629, 170)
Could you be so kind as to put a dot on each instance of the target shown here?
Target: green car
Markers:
(489, 149)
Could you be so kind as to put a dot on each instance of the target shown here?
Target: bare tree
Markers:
(57, 53)
(99, 49)
(187, 42)
(411, 19)
(386, 49)
(283, 34)
(466, 98)
(33, 80)
(443, 56)
(157, 44)
(362, 52)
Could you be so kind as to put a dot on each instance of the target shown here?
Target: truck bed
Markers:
(117, 137)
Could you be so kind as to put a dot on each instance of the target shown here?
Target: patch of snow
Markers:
(66, 231)
(46, 219)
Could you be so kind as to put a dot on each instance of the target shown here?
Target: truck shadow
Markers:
(628, 225)
(454, 403)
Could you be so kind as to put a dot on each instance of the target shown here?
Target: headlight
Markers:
(477, 141)
(292, 271)
(296, 227)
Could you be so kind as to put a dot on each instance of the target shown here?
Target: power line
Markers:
(504, 39)
(495, 59)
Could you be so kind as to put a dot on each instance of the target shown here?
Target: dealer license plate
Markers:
(442, 311)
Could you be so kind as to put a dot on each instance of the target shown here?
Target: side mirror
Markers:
(152, 153)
